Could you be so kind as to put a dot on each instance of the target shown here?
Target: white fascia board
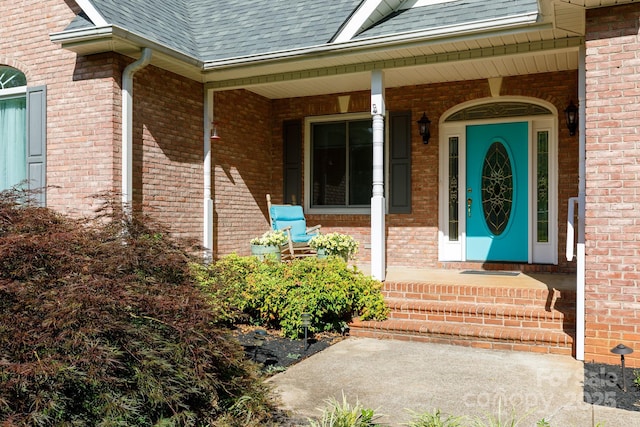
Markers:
(527, 19)
(93, 14)
(420, 3)
(358, 19)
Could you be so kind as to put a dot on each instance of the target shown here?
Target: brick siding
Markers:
(84, 121)
(243, 167)
(613, 183)
(168, 150)
(80, 98)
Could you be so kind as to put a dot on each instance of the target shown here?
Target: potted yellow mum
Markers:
(342, 245)
(269, 244)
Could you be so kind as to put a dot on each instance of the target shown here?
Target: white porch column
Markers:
(378, 249)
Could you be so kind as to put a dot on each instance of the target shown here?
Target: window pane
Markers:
(10, 77)
(453, 189)
(13, 142)
(543, 186)
(328, 164)
(360, 162)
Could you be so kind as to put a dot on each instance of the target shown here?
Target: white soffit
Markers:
(317, 83)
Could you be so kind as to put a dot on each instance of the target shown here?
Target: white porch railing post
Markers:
(378, 246)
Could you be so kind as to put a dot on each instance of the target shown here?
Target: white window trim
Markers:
(308, 121)
(539, 253)
(13, 92)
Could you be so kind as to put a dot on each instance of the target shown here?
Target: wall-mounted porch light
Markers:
(214, 131)
(571, 113)
(423, 126)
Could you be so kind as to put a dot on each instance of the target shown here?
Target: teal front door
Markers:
(496, 193)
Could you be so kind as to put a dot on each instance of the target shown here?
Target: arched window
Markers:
(22, 132)
(11, 78)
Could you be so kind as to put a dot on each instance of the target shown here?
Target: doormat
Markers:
(491, 273)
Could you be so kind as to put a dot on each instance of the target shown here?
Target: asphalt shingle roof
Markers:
(211, 30)
(448, 14)
(241, 28)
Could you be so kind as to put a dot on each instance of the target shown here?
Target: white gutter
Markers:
(82, 34)
(127, 126)
(582, 189)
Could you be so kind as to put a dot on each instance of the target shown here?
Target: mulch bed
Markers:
(276, 352)
(603, 386)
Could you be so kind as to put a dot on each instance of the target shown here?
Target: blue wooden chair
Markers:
(291, 220)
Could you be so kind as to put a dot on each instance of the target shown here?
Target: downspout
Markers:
(582, 189)
(207, 238)
(127, 127)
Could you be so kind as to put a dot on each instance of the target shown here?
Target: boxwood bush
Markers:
(275, 294)
(102, 324)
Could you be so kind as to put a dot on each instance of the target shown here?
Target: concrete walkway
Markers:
(395, 377)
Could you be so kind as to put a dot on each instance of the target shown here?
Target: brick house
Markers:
(321, 104)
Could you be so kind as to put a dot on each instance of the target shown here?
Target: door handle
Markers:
(469, 202)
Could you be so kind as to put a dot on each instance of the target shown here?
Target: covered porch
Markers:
(406, 198)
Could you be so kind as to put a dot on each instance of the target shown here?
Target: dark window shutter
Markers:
(36, 141)
(400, 162)
(292, 175)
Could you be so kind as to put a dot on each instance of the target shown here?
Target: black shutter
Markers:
(400, 162)
(291, 148)
(36, 141)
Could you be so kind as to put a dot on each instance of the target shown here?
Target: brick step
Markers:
(536, 319)
(472, 335)
(550, 299)
(483, 314)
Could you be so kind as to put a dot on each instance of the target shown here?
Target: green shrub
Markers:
(343, 414)
(275, 294)
(636, 378)
(101, 324)
(225, 282)
(434, 419)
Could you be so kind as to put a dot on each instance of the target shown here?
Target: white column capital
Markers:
(377, 93)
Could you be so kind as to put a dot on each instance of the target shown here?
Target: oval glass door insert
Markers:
(497, 188)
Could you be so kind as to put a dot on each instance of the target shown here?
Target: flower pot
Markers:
(263, 252)
(323, 253)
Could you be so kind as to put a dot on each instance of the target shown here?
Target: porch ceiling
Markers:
(421, 65)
